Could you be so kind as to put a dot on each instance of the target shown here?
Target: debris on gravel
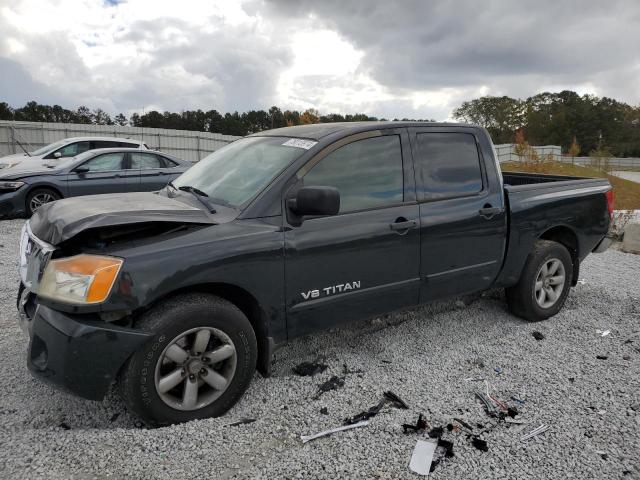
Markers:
(308, 369)
(424, 355)
(538, 335)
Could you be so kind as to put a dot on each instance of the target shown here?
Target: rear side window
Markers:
(128, 145)
(167, 163)
(104, 144)
(448, 165)
(367, 173)
(145, 160)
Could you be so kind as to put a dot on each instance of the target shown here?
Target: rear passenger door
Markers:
(154, 175)
(462, 218)
(104, 174)
(364, 260)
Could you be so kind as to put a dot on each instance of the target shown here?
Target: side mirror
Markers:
(81, 170)
(315, 201)
(57, 155)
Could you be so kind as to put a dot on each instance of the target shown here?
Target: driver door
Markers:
(366, 259)
(105, 174)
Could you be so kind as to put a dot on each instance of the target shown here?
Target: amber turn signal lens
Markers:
(80, 279)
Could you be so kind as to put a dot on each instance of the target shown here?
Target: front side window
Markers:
(367, 173)
(105, 162)
(144, 161)
(74, 149)
(448, 164)
(237, 172)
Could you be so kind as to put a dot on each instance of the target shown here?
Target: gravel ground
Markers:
(592, 406)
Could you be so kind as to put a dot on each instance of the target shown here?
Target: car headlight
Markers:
(10, 186)
(82, 279)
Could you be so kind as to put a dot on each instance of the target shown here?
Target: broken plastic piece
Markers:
(464, 424)
(601, 357)
(534, 432)
(498, 370)
(603, 333)
(421, 424)
(448, 447)
(308, 438)
(538, 335)
(372, 412)
(307, 369)
(241, 422)
(422, 457)
(480, 444)
(436, 432)
(332, 384)
(396, 400)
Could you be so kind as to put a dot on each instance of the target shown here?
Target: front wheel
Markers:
(39, 197)
(198, 364)
(544, 284)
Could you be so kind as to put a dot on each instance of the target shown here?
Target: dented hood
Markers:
(59, 221)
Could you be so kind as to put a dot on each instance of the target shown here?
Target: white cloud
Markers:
(419, 61)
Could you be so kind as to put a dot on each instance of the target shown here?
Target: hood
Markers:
(61, 220)
(11, 159)
(25, 166)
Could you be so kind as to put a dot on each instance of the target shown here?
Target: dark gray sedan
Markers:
(26, 186)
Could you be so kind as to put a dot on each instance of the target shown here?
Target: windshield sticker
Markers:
(299, 143)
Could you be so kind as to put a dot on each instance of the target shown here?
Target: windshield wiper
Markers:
(189, 188)
(196, 192)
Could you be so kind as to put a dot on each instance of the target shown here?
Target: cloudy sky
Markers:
(388, 58)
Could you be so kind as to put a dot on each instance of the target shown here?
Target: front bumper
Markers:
(76, 353)
(13, 204)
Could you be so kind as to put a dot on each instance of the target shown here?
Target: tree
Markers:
(501, 116)
(309, 116)
(574, 149)
(100, 117)
(120, 119)
(6, 112)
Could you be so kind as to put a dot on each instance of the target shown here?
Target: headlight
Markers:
(82, 279)
(10, 186)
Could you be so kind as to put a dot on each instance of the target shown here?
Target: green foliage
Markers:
(196, 120)
(558, 118)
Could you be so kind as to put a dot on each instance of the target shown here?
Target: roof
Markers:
(318, 130)
(110, 139)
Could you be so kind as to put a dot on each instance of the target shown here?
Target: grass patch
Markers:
(627, 193)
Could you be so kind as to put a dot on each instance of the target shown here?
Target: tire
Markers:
(531, 297)
(38, 197)
(181, 320)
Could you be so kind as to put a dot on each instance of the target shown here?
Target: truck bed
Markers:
(576, 205)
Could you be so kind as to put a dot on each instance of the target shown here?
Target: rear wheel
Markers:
(39, 197)
(544, 284)
(198, 364)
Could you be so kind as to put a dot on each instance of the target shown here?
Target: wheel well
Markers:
(249, 306)
(567, 237)
(42, 187)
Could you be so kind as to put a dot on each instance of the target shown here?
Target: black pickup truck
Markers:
(180, 295)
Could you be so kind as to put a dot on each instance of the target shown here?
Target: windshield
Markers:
(236, 173)
(48, 148)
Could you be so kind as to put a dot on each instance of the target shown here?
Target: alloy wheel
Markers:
(549, 283)
(195, 368)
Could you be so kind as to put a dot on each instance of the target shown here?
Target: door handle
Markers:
(403, 224)
(489, 212)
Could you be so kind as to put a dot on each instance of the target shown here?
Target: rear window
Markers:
(448, 165)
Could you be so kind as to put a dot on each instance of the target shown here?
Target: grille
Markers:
(34, 255)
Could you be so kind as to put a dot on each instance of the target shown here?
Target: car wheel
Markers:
(544, 284)
(39, 197)
(197, 365)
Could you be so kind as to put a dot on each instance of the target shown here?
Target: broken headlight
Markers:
(82, 279)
